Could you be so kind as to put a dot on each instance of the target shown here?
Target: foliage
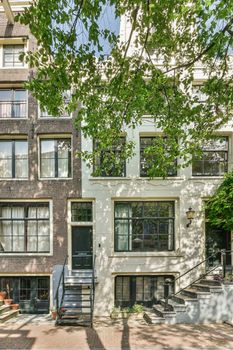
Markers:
(135, 309)
(148, 73)
(220, 207)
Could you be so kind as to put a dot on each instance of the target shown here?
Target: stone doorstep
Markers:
(209, 288)
(4, 308)
(151, 318)
(159, 310)
(8, 314)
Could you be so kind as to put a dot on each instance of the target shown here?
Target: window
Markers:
(55, 158)
(11, 54)
(24, 227)
(81, 211)
(144, 226)
(67, 97)
(144, 290)
(198, 93)
(147, 160)
(13, 103)
(214, 159)
(110, 163)
(13, 159)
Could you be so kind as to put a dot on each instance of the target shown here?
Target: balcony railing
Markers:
(13, 109)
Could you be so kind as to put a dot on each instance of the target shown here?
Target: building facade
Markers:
(132, 228)
(39, 173)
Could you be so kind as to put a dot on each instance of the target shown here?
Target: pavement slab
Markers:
(33, 332)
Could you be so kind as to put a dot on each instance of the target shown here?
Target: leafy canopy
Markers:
(149, 73)
(220, 207)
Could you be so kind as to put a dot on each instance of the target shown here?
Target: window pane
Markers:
(21, 159)
(5, 159)
(144, 226)
(48, 158)
(11, 55)
(214, 160)
(24, 234)
(81, 211)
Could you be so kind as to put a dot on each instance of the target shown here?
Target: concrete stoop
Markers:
(6, 313)
(204, 302)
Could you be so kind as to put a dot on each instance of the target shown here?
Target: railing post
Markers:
(167, 284)
(223, 262)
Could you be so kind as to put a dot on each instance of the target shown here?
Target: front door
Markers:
(81, 247)
(217, 239)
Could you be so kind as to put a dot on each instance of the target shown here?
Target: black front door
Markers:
(81, 247)
(217, 239)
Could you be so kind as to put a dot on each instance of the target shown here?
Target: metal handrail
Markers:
(194, 267)
(223, 264)
(93, 289)
(62, 278)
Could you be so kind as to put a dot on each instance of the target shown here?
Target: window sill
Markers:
(135, 178)
(167, 254)
(13, 67)
(24, 254)
(201, 177)
(55, 118)
(22, 118)
(55, 178)
(13, 179)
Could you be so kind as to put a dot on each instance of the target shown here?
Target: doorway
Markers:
(217, 239)
(82, 251)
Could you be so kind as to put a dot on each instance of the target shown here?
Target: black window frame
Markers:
(14, 104)
(132, 289)
(25, 220)
(143, 168)
(13, 157)
(203, 161)
(99, 160)
(56, 159)
(14, 54)
(85, 207)
(144, 236)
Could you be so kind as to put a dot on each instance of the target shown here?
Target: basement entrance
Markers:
(30, 292)
(215, 240)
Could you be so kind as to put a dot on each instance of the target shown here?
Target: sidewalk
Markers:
(32, 332)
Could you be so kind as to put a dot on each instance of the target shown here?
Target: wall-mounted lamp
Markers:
(190, 214)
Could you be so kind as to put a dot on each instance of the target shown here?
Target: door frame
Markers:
(70, 224)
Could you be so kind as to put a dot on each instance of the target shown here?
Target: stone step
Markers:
(159, 310)
(208, 288)
(8, 315)
(174, 306)
(77, 282)
(210, 282)
(4, 308)
(73, 322)
(194, 293)
(151, 318)
(182, 299)
(80, 272)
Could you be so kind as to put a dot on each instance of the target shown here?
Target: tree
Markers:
(220, 206)
(114, 92)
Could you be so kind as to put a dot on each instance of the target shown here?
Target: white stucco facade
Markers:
(184, 189)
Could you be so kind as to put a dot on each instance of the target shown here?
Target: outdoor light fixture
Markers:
(190, 214)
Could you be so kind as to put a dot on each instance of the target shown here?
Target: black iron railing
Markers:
(168, 282)
(60, 288)
(93, 290)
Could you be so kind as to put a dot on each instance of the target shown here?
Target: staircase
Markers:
(77, 304)
(75, 297)
(6, 313)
